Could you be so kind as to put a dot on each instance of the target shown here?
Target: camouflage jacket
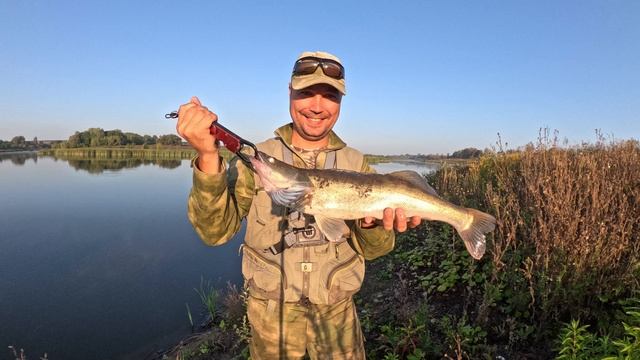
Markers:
(218, 203)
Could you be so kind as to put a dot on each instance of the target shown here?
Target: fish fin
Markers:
(332, 228)
(474, 234)
(291, 197)
(416, 179)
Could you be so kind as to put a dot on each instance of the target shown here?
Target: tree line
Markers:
(20, 143)
(466, 153)
(97, 137)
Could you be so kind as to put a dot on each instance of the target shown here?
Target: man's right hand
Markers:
(194, 122)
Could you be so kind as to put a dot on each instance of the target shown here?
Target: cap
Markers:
(318, 77)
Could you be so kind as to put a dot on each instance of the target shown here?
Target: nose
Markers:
(316, 104)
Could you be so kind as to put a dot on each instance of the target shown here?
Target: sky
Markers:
(422, 76)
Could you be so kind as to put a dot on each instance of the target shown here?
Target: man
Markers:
(300, 284)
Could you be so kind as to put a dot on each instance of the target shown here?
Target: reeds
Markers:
(122, 153)
(129, 152)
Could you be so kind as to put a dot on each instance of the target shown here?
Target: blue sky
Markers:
(422, 76)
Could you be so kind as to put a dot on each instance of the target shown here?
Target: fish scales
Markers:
(352, 195)
(333, 196)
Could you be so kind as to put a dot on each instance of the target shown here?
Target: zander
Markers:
(333, 196)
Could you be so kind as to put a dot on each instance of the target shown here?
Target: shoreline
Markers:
(10, 152)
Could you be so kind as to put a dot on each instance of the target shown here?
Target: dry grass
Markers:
(568, 219)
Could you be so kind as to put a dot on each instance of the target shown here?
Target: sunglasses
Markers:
(309, 65)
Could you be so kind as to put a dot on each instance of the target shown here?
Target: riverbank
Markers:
(184, 152)
(375, 159)
(126, 152)
(17, 151)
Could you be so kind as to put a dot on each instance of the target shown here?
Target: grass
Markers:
(21, 355)
(189, 316)
(225, 332)
(576, 342)
(209, 296)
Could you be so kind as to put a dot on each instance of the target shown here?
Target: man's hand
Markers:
(194, 121)
(393, 220)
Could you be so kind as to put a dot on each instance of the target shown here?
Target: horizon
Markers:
(428, 78)
(564, 141)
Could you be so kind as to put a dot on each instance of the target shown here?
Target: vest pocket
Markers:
(263, 222)
(262, 206)
(345, 279)
(264, 274)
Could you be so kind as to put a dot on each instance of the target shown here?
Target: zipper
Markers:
(339, 268)
(269, 263)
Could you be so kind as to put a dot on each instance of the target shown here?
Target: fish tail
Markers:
(473, 235)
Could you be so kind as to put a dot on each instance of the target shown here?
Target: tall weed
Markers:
(566, 243)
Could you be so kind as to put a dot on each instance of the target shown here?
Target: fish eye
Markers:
(271, 160)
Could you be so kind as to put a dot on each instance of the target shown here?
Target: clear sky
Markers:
(422, 76)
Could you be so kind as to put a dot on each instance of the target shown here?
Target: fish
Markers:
(333, 196)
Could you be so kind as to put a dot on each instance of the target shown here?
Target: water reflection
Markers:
(98, 166)
(93, 165)
(19, 158)
(420, 168)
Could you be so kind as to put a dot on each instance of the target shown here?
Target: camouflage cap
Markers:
(318, 77)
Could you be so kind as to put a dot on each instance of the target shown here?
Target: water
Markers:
(98, 258)
(98, 264)
(420, 168)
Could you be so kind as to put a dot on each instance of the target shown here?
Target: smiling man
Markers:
(300, 284)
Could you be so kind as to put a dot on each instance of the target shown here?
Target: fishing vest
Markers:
(280, 263)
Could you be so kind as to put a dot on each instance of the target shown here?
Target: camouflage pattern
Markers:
(218, 203)
(283, 319)
(290, 330)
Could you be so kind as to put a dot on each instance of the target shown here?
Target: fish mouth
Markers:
(262, 156)
(260, 165)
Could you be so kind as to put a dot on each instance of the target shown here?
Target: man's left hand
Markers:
(393, 219)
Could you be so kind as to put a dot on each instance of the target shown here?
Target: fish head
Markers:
(286, 184)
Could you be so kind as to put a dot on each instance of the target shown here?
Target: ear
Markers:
(291, 92)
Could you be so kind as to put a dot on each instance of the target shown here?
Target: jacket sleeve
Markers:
(371, 242)
(217, 203)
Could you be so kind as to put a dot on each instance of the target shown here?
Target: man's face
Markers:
(314, 110)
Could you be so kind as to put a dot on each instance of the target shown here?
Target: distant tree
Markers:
(35, 140)
(169, 140)
(115, 138)
(134, 139)
(18, 141)
(74, 140)
(467, 153)
(93, 137)
(149, 140)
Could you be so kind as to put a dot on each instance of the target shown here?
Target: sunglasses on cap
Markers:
(309, 65)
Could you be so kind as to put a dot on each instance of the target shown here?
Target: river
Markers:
(98, 258)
